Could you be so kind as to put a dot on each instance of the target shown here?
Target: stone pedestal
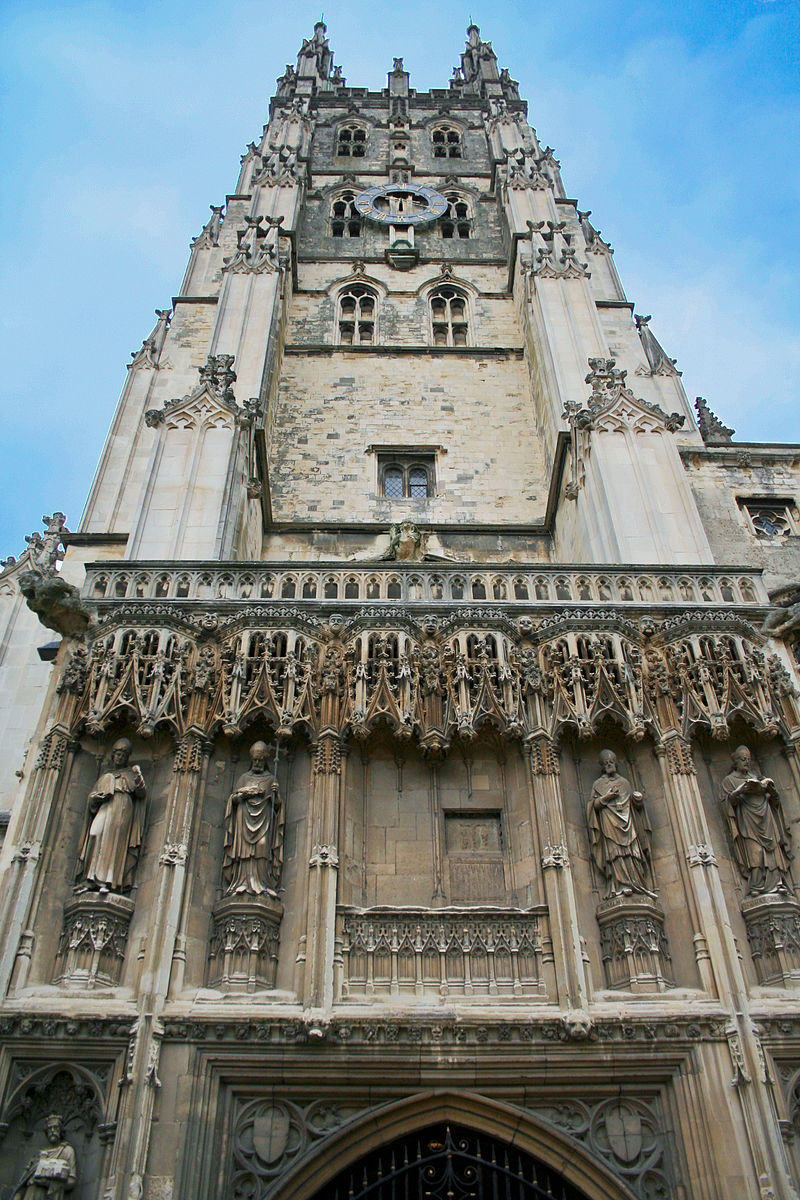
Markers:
(244, 943)
(773, 931)
(92, 948)
(634, 945)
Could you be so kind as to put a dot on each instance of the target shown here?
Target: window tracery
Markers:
(449, 324)
(456, 222)
(771, 520)
(351, 142)
(345, 221)
(356, 312)
(446, 141)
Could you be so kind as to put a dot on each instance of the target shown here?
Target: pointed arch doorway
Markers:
(449, 1162)
(444, 1145)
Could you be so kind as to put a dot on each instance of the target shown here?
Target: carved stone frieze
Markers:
(269, 1135)
(773, 931)
(633, 944)
(626, 1133)
(435, 680)
(612, 403)
(53, 750)
(445, 952)
(244, 943)
(92, 947)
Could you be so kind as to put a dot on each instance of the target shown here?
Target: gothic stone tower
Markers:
(385, 829)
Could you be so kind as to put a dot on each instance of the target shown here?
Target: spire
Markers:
(712, 431)
(315, 69)
(479, 74)
(658, 361)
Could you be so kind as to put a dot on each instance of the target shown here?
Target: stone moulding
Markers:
(418, 952)
(773, 931)
(244, 943)
(633, 944)
(92, 947)
(428, 582)
(430, 679)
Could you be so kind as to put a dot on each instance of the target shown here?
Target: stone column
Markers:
(721, 971)
(43, 799)
(129, 1159)
(327, 788)
(559, 889)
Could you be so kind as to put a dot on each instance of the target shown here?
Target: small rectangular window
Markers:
(406, 476)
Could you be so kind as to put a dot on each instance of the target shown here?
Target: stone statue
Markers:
(254, 831)
(110, 849)
(618, 830)
(406, 543)
(760, 840)
(52, 1173)
(46, 550)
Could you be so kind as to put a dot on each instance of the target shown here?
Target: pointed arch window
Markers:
(345, 221)
(449, 325)
(357, 309)
(456, 223)
(351, 142)
(446, 142)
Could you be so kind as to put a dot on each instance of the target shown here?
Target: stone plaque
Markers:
(474, 851)
(478, 832)
(475, 881)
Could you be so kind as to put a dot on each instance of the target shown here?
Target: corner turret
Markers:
(315, 70)
(479, 74)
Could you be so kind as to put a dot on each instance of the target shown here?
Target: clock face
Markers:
(401, 204)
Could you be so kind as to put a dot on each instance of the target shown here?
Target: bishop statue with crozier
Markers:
(254, 828)
(619, 831)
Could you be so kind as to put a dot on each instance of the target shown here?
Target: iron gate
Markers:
(448, 1163)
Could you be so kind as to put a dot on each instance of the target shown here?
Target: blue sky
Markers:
(676, 123)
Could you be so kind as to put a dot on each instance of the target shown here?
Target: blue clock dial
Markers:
(401, 204)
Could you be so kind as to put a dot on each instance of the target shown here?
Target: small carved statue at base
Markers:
(254, 831)
(110, 849)
(53, 1172)
(618, 830)
(760, 840)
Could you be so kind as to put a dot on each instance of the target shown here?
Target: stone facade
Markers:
(379, 817)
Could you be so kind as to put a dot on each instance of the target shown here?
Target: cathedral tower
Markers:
(409, 807)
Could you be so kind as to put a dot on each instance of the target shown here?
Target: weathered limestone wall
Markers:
(332, 408)
(722, 479)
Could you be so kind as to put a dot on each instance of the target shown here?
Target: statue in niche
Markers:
(619, 832)
(53, 1172)
(110, 850)
(254, 831)
(760, 839)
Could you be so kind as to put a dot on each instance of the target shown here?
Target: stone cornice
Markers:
(431, 351)
(734, 454)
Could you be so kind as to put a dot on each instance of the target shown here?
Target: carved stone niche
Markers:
(92, 947)
(75, 1095)
(244, 943)
(773, 931)
(633, 944)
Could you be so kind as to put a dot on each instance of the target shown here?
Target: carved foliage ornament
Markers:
(431, 685)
